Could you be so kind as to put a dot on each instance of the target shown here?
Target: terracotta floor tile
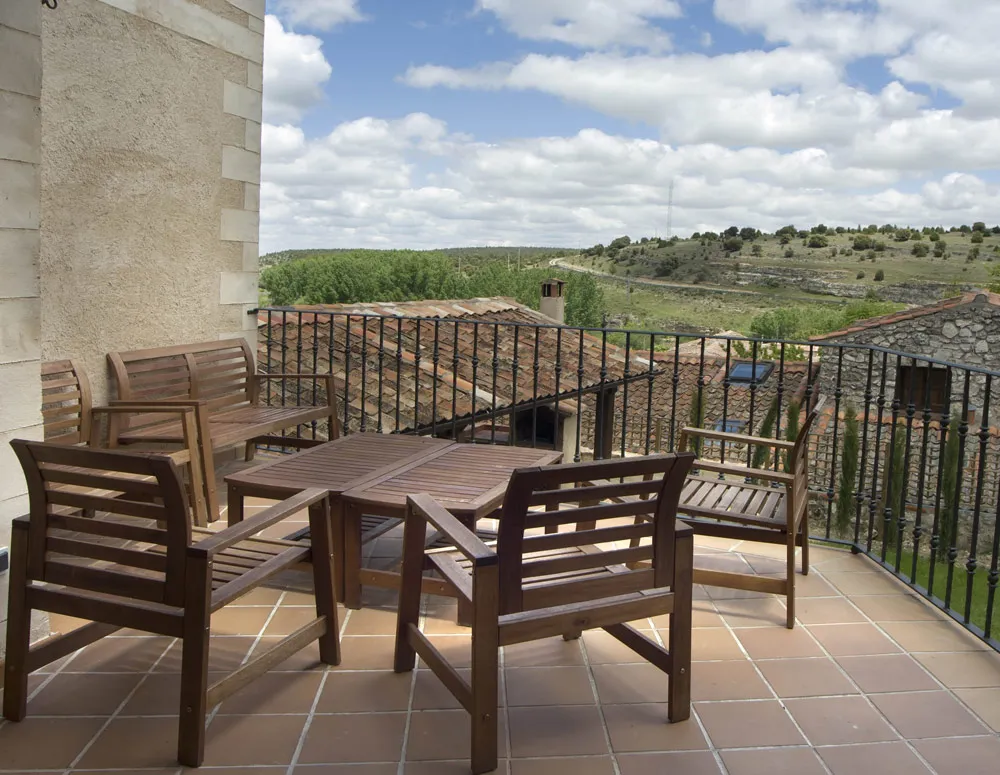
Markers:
(961, 671)
(371, 621)
(757, 612)
(887, 673)
(806, 677)
(590, 765)
(135, 743)
(712, 542)
(845, 563)
(631, 683)
(839, 720)
(679, 763)
(844, 640)
(566, 685)
(703, 614)
(897, 608)
(367, 652)
(456, 649)
(984, 702)
(45, 743)
(241, 620)
(773, 761)
(443, 620)
(603, 649)
(883, 758)
(119, 655)
(225, 654)
(712, 644)
(748, 724)
(541, 653)
(968, 756)
(812, 585)
(342, 769)
(363, 737)
(245, 740)
(727, 681)
(827, 610)
(646, 728)
(274, 693)
(927, 714)
(268, 596)
(82, 694)
(778, 642)
(159, 694)
(876, 582)
(918, 637)
(445, 734)
(430, 694)
(304, 659)
(287, 620)
(454, 767)
(567, 730)
(764, 566)
(365, 692)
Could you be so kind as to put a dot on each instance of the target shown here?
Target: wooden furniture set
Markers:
(111, 536)
(757, 505)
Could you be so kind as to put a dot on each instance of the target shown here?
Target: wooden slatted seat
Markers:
(69, 417)
(734, 501)
(139, 563)
(217, 379)
(534, 584)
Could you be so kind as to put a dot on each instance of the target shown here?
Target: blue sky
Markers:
(453, 121)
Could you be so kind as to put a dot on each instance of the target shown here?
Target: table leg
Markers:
(337, 536)
(234, 505)
(352, 556)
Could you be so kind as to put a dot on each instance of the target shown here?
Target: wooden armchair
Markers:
(140, 564)
(752, 508)
(536, 585)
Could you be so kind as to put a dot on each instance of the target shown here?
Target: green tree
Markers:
(920, 250)
(977, 238)
(695, 417)
(733, 245)
(879, 275)
(756, 250)
(848, 470)
(979, 226)
(793, 421)
(818, 241)
(761, 457)
(893, 488)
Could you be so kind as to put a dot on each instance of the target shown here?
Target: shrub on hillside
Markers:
(879, 275)
(977, 238)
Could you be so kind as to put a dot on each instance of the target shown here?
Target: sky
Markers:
(441, 123)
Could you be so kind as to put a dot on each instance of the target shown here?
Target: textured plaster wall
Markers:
(148, 192)
(20, 331)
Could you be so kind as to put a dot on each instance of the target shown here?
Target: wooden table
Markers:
(335, 466)
(467, 479)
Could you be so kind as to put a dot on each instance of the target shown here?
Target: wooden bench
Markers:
(218, 380)
(70, 418)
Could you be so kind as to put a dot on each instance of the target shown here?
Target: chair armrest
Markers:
(682, 529)
(291, 375)
(465, 540)
(755, 473)
(250, 527)
(738, 438)
(146, 402)
(137, 407)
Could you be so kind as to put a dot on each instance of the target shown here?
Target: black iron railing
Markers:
(905, 459)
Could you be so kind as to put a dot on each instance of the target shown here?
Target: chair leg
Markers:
(251, 451)
(411, 573)
(194, 665)
(15, 692)
(679, 691)
(790, 581)
(805, 545)
(324, 580)
(485, 663)
(352, 557)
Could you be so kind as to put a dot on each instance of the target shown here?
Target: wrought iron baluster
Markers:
(911, 410)
(514, 366)
(399, 374)
(626, 378)
(972, 561)
(315, 370)
(455, 364)
(726, 384)
(876, 450)
(475, 378)
(381, 369)
(859, 496)
(838, 393)
(779, 398)
(347, 373)
(436, 358)
(534, 394)
(963, 435)
(558, 370)
(417, 359)
(938, 523)
(579, 403)
(496, 370)
(918, 530)
(674, 383)
(364, 373)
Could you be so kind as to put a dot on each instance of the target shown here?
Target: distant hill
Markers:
(530, 255)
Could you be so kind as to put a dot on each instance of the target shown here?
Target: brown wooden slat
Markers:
(112, 505)
(108, 582)
(117, 555)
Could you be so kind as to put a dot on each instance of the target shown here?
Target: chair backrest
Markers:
(535, 568)
(140, 500)
(799, 456)
(219, 372)
(66, 402)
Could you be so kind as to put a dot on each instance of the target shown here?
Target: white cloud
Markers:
(410, 182)
(294, 72)
(592, 24)
(319, 14)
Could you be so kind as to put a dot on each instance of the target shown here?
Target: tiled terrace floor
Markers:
(871, 680)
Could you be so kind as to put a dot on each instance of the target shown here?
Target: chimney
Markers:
(553, 302)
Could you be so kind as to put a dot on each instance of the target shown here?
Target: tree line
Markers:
(359, 276)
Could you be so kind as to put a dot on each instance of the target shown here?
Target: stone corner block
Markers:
(240, 101)
(238, 288)
(239, 225)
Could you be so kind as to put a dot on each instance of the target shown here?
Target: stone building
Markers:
(129, 190)
(961, 330)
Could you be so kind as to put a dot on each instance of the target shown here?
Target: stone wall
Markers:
(150, 175)
(968, 335)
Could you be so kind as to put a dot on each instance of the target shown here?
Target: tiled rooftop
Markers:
(871, 679)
